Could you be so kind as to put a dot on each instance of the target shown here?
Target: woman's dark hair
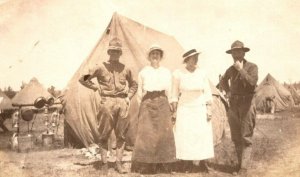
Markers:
(186, 60)
(161, 52)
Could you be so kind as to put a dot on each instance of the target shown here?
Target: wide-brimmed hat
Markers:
(190, 53)
(237, 45)
(155, 47)
(115, 44)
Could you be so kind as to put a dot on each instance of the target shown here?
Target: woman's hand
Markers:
(208, 112)
(173, 107)
(173, 118)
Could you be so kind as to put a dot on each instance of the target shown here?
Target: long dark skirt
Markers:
(155, 140)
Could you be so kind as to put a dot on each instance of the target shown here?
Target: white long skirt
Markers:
(193, 133)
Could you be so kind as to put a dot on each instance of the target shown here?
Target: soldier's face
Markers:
(238, 54)
(115, 55)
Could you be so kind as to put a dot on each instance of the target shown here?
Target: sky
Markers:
(49, 39)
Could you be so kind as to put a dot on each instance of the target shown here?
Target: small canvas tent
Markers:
(270, 87)
(294, 93)
(82, 104)
(30, 93)
(5, 102)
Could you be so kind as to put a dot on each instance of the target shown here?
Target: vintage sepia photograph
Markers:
(141, 88)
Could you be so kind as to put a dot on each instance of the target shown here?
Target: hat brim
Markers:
(114, 48)
(245, 49)
(159, 49)
(192, 54)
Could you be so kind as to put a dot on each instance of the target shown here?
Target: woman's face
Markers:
(155, 57)
(192, 61)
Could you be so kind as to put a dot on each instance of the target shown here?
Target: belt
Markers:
(123, 95)
(154, 94)
(162, 92)
(241, 96)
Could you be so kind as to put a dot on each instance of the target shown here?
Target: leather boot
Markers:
(119, 166)
(238, 149)
(104, 167)
(246, 159)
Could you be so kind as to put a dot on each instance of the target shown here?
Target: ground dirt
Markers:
(276, 152)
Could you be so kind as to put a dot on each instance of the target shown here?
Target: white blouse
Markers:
(154, 79)
(185, 81)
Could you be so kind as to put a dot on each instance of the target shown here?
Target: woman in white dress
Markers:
(192, 98)
(155, 139)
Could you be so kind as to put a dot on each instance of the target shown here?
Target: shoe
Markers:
(236, 169)
(235, 173)
(187, 166)
(204, 166)
(120, 168)
(207, 170)
(104, 169)
(242, 172)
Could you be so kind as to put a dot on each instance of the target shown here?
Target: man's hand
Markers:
(99, 90)
(127, 100)
(228, 95)
(238, 65)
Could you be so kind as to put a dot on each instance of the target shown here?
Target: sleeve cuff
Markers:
(130, 95)
(171, 100)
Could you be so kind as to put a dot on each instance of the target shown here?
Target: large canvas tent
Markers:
(30, 93)
(82, 104)
(270, 87)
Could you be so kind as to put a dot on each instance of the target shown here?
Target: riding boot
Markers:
(119, 166)
(104, 168)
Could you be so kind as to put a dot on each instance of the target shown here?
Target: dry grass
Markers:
(276, 152)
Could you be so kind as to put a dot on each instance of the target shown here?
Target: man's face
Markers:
(237, 54)
(114, 55)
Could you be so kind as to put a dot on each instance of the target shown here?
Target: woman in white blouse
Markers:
(155, 140)
(193, 129)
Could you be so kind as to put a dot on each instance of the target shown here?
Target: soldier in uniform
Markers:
(116, 87)
(239, 82)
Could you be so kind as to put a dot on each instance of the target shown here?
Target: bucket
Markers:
(25, 143)
(48, 139)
